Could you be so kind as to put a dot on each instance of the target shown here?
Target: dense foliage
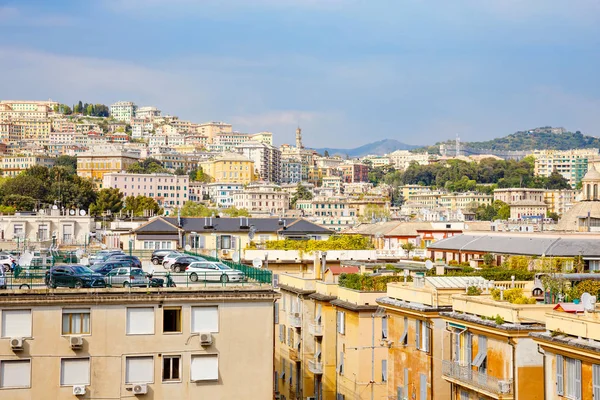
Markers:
(338, 242)
(148, 166)
(368, 283)
(514, 296)
(541, 140)
(141, 206)
(302, 193)
(192, 209)
(109, 201)
(491, 274)
(92, 110)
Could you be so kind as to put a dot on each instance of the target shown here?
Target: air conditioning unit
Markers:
(311, 398)
(79, 390)
(76, 342)
(504, 386)
(140, 389)
(16, 343)
(225, 252)
(205, 339)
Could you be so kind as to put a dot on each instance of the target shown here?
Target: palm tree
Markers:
(408, 247)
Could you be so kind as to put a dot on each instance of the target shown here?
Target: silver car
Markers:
(213, 271)
(170, 258)
(126, 277)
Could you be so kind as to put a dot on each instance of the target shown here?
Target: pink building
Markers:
(168, 190)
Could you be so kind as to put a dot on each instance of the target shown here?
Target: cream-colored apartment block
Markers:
(176, 343)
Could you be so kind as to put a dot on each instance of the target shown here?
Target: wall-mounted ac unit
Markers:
(16, 343)
(76, 342)
(205, 339)
(504, 386)
(140, 389)
(78, 390)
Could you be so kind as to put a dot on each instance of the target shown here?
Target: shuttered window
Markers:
(423, 387)
(205, 319)
(418, 334)
(341, 322)
(384, 372)
(384, 328)
(596, 381)
(560, 382)
(404, 337)
(16, 323)
(15, 374)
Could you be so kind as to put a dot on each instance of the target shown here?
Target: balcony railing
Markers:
(472, 378)
(295, 320)
(315, 329)
(314, 366)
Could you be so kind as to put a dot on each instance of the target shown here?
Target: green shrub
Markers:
(453, 263)
(337, 242)
(473, 291)
(369, 283)
(499, 320)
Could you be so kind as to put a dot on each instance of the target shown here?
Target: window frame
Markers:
(127, 333)
(138, 356)
(179, 323)
(67, 311)
(89, 375)
(3, 322)
(172, 357)
(14, 361)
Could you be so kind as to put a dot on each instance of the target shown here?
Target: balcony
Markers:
(478, 381)
(293, 353)
(316, 367)
(295, 320)
(315, 329)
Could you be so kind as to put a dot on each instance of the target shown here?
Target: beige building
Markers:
(401, 159)
(168, 190)
(462, 201)
(95, 163)
(13, 165)
(524, 203)
(175, 343)
(571, 164)
(123, 110)
(212, 128)
(560, 201)
(262, 199)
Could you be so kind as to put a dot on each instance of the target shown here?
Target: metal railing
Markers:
(315, 366)
(474, 378)
(315, 329)
(254, 274)
(295, 320)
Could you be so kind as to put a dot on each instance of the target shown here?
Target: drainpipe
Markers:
(514, 367)
(543, 353)
(373, 356)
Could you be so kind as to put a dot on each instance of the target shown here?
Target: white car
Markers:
(6, 261)
(213, 271)
(170, 258)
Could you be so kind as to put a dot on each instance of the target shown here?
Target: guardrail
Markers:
(474, 378)
(314, 366)
(255, 274)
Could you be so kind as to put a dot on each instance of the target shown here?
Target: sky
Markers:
(348, 72)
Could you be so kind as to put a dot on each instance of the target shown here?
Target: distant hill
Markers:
(376, 148)
(538, 139)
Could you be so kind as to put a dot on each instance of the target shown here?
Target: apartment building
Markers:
(560, 201)
(291, 171)
(229, 167)
(29, 105)
(377, 161)
(262, 199)
(212, 128)
(571, 164)
(401, 159)
(63, 125)
(13, 165)
(354, 172)
(333, 183)
(222, 194)
(123, 110)
(147, 112)
(524, 203)
(175, 343)
(267, 160)
(331, 212)
(462, 201)
(23, 110)
(168, 190)
(95, 163)
(571, 352)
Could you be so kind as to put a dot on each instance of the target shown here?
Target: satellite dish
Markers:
(257, 263)
(588, 301)
(55, 207)
(428, 264)
(251, 232)
(188, 247)
(82, 212)
(79, 253)
(71, 212)
(42, 212)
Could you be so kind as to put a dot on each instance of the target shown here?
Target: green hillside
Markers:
(538, 140)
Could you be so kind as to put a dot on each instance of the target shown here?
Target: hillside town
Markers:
(145, 256)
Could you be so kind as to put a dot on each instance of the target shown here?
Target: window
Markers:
(204, 368)
(422, 335)
(16, 323)
(341, 364)
(341, 322)
(480, 360)
(596, 381)
(464, 395)
(76, 321)
(572, 378)
(384, 373)
(276, 313)
(384, 328)
(74, 371)
(171, 368)
(225, 242)
(140, 321)
(205, 319)
(171, 319)
(15, 374)
(422, 387)
(139, 369)
(404, 337)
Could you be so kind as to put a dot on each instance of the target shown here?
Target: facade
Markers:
(291, 171)
(401, 159)
(209, 129)
(463, 201)
(138, 343)
(47, 226)
(262, 199)
(123, 110)
(267, 160)
(559, 201)
(95, 163)
(524, 203)
(222, 193)
(571, 164)
(168, 190)
(13, 165)
(354, 172)
(229, 167)
(147, 112)
(331, 212)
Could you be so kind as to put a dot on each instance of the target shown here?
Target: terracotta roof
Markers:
(336, 270)
(571, 308)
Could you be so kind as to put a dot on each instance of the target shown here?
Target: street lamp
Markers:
(130, 246)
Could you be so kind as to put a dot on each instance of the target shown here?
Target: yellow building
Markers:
(138, 343)
(94, 164)
(571, 353)
(13, 165)
(229, 167)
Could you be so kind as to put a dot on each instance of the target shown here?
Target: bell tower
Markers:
(299, 138)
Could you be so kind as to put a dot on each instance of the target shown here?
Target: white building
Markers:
(401, 159)
(262, 199)
(291, 170)
(222, 193)
(267, 160)
(168, 190)
(123, 110)
(148, 112)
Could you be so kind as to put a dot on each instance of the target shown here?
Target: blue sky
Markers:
(348, 71)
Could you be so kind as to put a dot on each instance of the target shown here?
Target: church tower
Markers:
(299, 138)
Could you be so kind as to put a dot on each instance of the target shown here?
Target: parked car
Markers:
(170, 258)
(213, 271)
(102, 255)
(182, 262)
(74, 276)
(127, 277)
(159, 255)
(122, 257)
(104, 268)
(6, 261)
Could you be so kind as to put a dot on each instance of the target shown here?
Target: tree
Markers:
(148, 166)
(302, 193)
(19, 202)
(24, 185)
(108, 200)
(374, 212)
(179, 171)
(66, 161)
(408, 247)
(141, 206)
(191, 209)
(326, 154)
(236, 212)
(553, 215)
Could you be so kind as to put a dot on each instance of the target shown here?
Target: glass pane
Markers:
(86, 323)
(167, 368)
(65, 324)
(75, 323)
(175, 368)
